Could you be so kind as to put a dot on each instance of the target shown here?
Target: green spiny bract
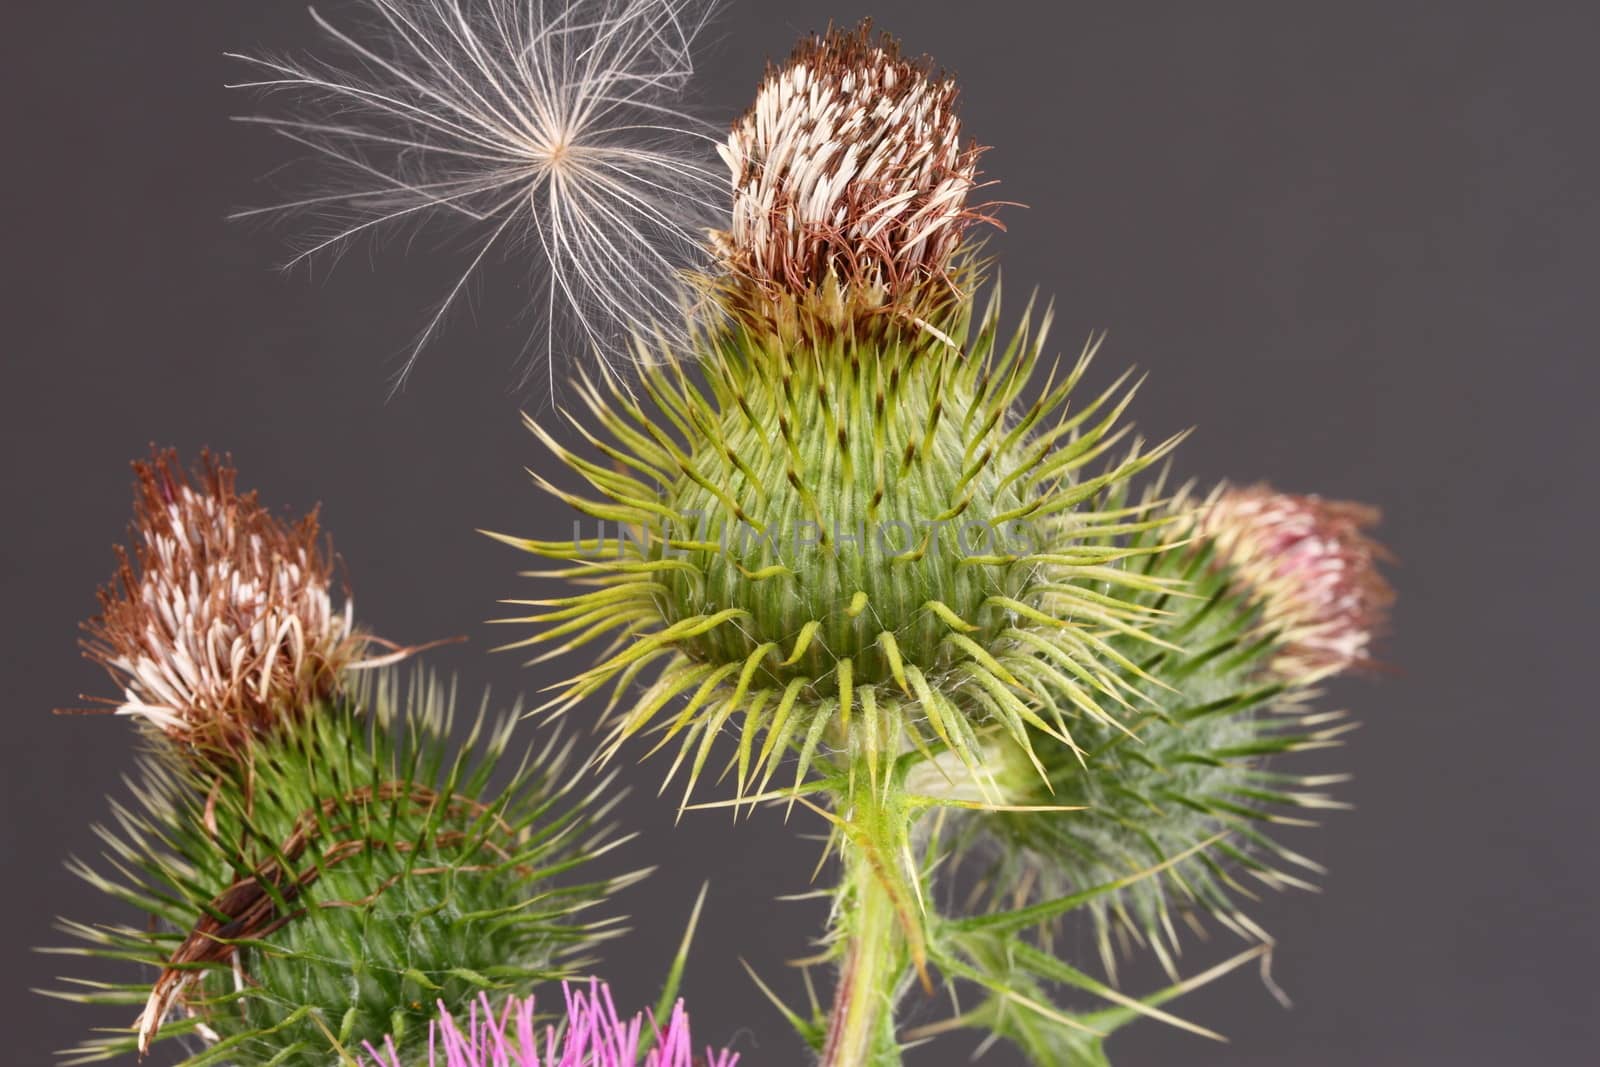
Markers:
(352, 873)
(850, 543)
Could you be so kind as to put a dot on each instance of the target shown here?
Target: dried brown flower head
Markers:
(221, 620)
(1310, 564)
(849, 171)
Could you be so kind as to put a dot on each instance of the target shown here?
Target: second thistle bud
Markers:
(1176, 805)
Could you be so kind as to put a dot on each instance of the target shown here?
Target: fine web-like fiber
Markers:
(553, 129)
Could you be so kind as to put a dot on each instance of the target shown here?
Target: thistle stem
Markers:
(861, 1028)
(881, 924)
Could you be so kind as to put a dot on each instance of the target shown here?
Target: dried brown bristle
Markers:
(220, 619)
(850, 170)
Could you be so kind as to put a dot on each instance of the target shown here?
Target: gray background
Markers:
(1350, 243)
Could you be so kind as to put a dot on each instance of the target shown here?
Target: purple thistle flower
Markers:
(591, 1035)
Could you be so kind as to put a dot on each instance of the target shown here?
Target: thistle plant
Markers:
(849, 542)
(1172, 808)
(838, 532)
(315, 864)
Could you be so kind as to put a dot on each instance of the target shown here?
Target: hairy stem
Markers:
(879, 919)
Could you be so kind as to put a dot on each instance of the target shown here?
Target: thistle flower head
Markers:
(591, 1034)
(849, 170)
(221, 621)
(1310, 564)
(853, 545)
(545, 125)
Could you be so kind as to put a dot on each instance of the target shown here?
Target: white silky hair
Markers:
(555, 125)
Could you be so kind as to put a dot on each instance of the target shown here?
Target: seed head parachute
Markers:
(555, 125)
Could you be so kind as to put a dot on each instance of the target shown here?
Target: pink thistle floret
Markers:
(1310, 565)
(592, 1034)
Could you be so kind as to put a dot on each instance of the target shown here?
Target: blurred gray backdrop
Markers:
(1354, 244)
